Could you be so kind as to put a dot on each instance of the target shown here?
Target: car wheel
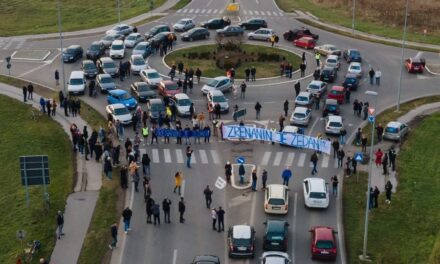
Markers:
(190, 39)
(251, 38)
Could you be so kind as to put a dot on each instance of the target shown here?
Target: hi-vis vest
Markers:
(145, 131)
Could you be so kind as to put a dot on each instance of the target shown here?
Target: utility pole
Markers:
(402, 58)
(63, 80)
(353, 16)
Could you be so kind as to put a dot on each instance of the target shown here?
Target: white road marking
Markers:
(20, 43)
(250, 12)
(245, 12)
(193, 159)
(290, 157)
(178, 11)
(203, 156)
(313, 126)
(175, 256)
(179, 156)
(209, 11)
(262, 13)
(256, 12)
(275, 13)
(198, 10)
(167, 154)
(183, 188)
(8, 45)
(301, 160)
(281, 14)
(191, 10)
(278, 158)
(266, 158)
(295, 206)
(184, 10)
(155, 154)
(214, 11)
(215, 156)
(325, 161)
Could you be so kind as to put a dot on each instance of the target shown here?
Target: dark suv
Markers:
(253, 24)
(299, 33)
(72, 53)
(276, 235)
(241, 239)
(95, 51)
(156, 30)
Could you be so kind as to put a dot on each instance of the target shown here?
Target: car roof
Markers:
(354, 63)
(337, 88)
(276, 190)
(149, 70)
(276, 257)
(316, 184)
(334, 118)
(242, 231)
(300, 109)
(118, 41)
(290, 129)
(209, 258)
(216, 92)
(394, 124)
(156, 101)
(74, 47)
(331, 101)
(304, 93)
(350, 75)
(167, 82)
(117, 106)
(88, 62)
(96, 42)
(137, 56)
(185, 19)
(276, 225)
(220, 78)
(181, 96)
(117, 91)
(316, 82)
(323, 233)
(134, 34)
(332, 57)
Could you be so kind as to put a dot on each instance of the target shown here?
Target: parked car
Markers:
(217, 97)
(331, 107)
(73, 53)
(182, 103)
(77, 83)
(301, 116)
(230, 31)
(105, 83)
(117, 50)
(221, 83)
(305, 43)
(328, 74)
(168, 88)
(195, 34)
(276, 199)
(161, 38)
(108, 39)
(304, 99)
(317, 88)
(121, 29)
(333, 61)
(415, 65)
(316, 192)
(299, 33)
(261, 34)
(275, 257)
(183, 25)
(96, 50)
(323, 243)
(328, 49)
(151, 76)
(395, 131)
(107, 65)
(206, 259)
(356, 69)
(351, 82)
(142, 48)
(119, 112)
(253, 24)
(156, 30)
(123, 97)
(276, 235)
(143, 91)
(337, 93)
(133, 39)
(215, 23)
(137, 64)
(241, 241)
(352, 55)
(333, 124)
(155, 108)
(89, 68)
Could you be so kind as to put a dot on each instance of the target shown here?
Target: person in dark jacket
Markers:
(388, 189)
(264, 179)
(124, 177)
(166, 207)
(114, 234)
(228, 172)
(146, 164)
(126, 215)
(156, 213)
(241, 172)
(60, 224)
(149, 208)
(221, 219)
(30, 90)
(208, 196)
(182, 209)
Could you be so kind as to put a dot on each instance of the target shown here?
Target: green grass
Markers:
(22, 136)
(407, 231)
(92, 117)
(180, 4)
(209, 68)
(107, 211)
(41, 15)
(339, 17)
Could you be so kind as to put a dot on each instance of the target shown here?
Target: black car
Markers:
(328, 74)
(331, 106)
(230, 31)
(73, 53)
(276, 235)
(291, 35)
(352, 55)
(241, 240)
(95, 51)
(206, 259)
(253, 24)
(351, 82)
(89, 68)
(160, 38)
(142, 91)
(156, 30)
(215, 23)
(195, 33)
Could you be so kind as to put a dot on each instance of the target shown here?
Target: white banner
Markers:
(294, 140)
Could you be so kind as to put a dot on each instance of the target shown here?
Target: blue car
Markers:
(351, 82)
(123, 97)
(352, 55)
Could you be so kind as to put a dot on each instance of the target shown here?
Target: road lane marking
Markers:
(215, 156)
(198, 10)
(214, 11)
(325, 161)
(155, 154)
(184, 10)
(183, 188)
(191, 10)
(167, 154)
(193, 159)
(175, 256)
(313, 126)
(294, 226)
(266, 158)
(301, 160)
(203, 156)
(34, 69)
(290, 157)
(179, 156)
(278, 158)
(209, 11)
(250, 12)
(245, 12)
(256, 12)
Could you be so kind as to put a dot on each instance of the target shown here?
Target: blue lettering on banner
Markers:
(168, 132)
(255, 133)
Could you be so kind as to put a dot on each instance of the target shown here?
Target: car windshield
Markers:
(391, 130)
(95, 47)
(332, 48)
(184, 102)
(106, 80)
(121, 111)
(335, 124)
(331, 107)
(140, 47)
(89, 66)
(314, 86)
(275, 236)
(355, 53)
(212, 83)
(302, 98)
(355, 67)
(416, 63)
(213, 20)
(117, 47)
(331, 61)
(144, 88)
(335, 92)
(138, 61)
(327, 72)
(299, 115)
(109, 65)
(125, 96)
(181, 22)
(240, 242)
(324, 244)
(157, 107)
(70, 51)
(131, 37)
(350, 80)
(318, 195)
(219, 99)
(276, 201)
(171, 87)
(110, 37)
(76, 81)
(153, 75)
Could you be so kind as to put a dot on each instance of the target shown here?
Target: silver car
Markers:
(304, 99)
(261, 34)
(301, 116)
(217, 97)
(132, 40)
(328, 49)
(395, 131)
(317, 87)
(105, 82)
(183, 25)
(182, 103)
(333, 61)
(108, 40)
(121, 29)
(221, 83)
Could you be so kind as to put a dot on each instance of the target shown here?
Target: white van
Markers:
(315, 193)
(276, 199)
(77, 83)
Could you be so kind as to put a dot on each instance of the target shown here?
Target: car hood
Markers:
(110, 70)
(126, 117)
(108, 85)
(147, 93)
(156, 80)
(92, 52)
(207, 88)
(183, 109)
(129, 102)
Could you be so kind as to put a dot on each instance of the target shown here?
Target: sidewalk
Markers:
(81, 203)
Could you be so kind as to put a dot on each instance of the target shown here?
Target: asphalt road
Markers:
(179, 243)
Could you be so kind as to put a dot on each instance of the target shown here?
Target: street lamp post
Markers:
(62, 49)
(370, 165)
(403, 56)
(353, 16)
(119, 12)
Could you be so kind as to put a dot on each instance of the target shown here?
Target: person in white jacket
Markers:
(377, 76)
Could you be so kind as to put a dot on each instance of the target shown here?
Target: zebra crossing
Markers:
(11, 43)
(220, 11)
(211, 156)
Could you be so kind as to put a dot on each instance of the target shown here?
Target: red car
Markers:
(415, 65)
(323, 243)
(337, 93)
(305, 42)
(168, 88)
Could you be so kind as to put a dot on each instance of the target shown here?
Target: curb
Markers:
(431, 72)
(233, 177)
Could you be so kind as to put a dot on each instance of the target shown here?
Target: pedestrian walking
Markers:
(247, 73)
(114, 234)
(388, 189)
(149, 203)
(379, 132)
(214, 218)
(348, 164)
(189, 152)
(302, 67)
(264, 179)
(126, 216)
(303, 57)
(156, 213)
(364, 141)
(335, 183)
(243, 90)
(208, 196)
(146, 164)
(228, 172)
(254, 180)
(57, 78)
(24, 89)
(358, 136)
(297, 88)
(133, 170)
(317, 101)
(178, 180)
(377, 76)
(198, 75)
(221, 219)
(379, 155)
(392, 158)
(30, 90)
(272, 40)
(182, 208)
(341, 155)
(253, 73)
(124, 177)
(281, 120)
(335, 145)
(286, 107)
(376, 193)
(241, 173)
(371, 74)
(60, 224)
(385, 164)
(258, 110)
(342, 135)
(166, 207)
(316, 74)
(314, 160)
(286, 175)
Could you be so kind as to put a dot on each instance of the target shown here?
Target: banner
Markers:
(294, 140)
(174, 133)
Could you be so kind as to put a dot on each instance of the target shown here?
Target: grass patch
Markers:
(407, 231)
(22, 136)
(180, 4)
(41, 16)
(147, 20)
(92, 117)
(210, 69)
(107, 211)
(38, 89)
(339, 17)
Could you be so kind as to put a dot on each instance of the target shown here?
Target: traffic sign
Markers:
(371, 110)
(371, 118)
(220, 183)
(20, 234)
(241, 160)
(358, 156)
